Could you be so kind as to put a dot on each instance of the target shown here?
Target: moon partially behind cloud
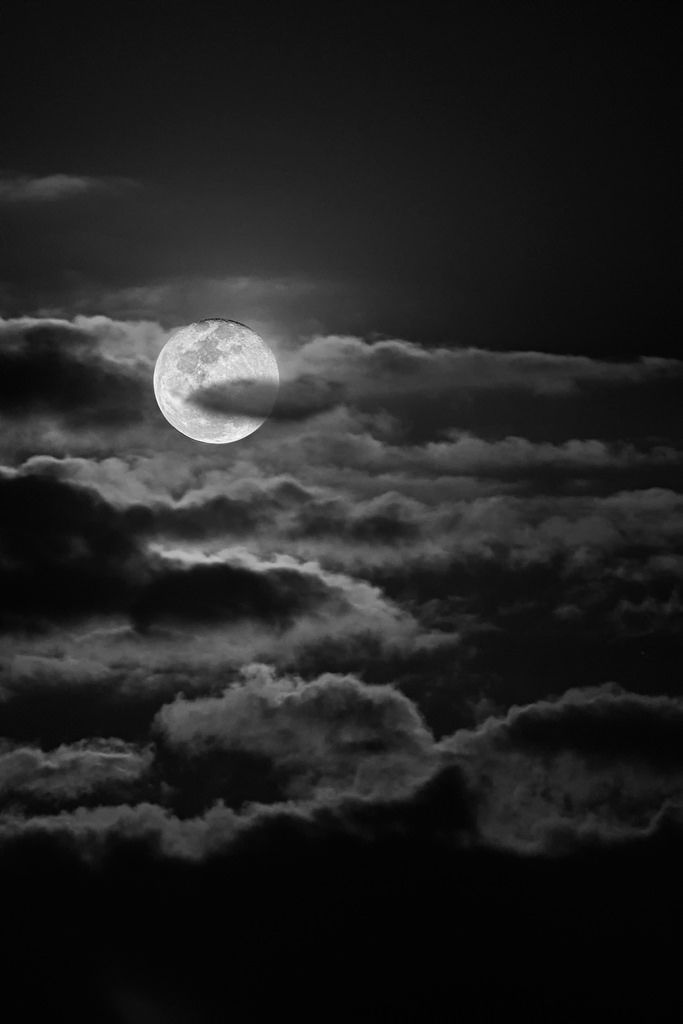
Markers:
(216, 381)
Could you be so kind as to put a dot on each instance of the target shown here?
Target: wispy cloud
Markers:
(50, 188)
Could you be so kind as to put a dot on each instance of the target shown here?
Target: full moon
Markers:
(216, 381)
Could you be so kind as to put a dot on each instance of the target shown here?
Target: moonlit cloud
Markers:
(370, 557)
(52, 188)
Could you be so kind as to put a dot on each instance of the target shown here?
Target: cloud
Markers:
(294, 400)
(187, 588)
(596, 762)
(594, 766)
(51, 188)
(394, 367)
(67, 552)
(345, 442)
(343, 527)
(76, 557)
(86, 773)
(332, 734)
(417, 592)
(272, 607)
(412, 386)
(266, 302)
(90, 375)
(469, 570)
(83, 389)
(604, 721)
(437, 806)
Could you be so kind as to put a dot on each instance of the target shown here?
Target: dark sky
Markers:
(471, 175)
(374, 716)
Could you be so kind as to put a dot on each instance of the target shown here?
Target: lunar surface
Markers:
(216, 381)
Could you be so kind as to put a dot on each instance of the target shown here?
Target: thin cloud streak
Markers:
(52, 188)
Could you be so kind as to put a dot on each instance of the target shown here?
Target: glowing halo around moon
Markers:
(216, 381)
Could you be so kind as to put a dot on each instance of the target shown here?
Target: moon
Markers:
(216, 381)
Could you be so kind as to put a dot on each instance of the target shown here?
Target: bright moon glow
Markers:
(216, 381)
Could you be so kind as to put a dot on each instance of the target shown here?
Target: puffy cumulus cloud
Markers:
(331, 753)
(264, 740)
(111, 680)
(332, 734)
(594, 763)
(436, 807)
(89, 772)
(52, 188)
(596, 766)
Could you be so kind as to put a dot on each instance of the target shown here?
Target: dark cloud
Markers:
(212, 591)
(66, 552)
(57, 368)
(606, 722)
(292, 400)
(593, 765)
(69, 553)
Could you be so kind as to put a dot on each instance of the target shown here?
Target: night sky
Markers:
(375, 715)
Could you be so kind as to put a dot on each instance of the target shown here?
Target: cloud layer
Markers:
(380, 602)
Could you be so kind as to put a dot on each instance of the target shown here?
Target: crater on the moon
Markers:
(216, 381)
